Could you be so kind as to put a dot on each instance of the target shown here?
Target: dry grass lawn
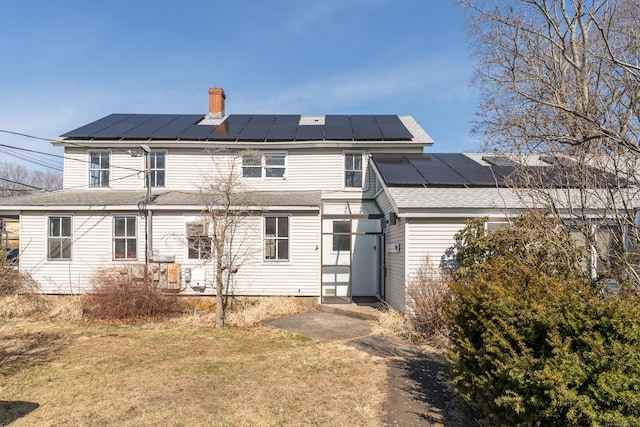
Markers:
(181, 374)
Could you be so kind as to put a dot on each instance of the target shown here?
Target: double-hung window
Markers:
(59, 237)
(267, 165)
(99, 165)
(276, 238)
(198, 241)
(125, 242)
(353, 170)
(157, 168)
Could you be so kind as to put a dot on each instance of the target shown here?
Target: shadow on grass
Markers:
(23, 350)
(12, 410)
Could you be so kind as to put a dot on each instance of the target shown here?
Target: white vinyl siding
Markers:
(186, 169)
(432, 238)
(91, 245)
(395, 267)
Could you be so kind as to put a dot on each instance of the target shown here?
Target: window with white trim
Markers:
(157, 168)
(125, 242)
(276, 238)
(198, 241)
(266, 165)
(59, 237)
(353, 170)
(99, 166)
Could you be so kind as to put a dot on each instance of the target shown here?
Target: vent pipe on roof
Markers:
(216, 102)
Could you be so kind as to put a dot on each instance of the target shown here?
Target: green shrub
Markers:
(534, 341)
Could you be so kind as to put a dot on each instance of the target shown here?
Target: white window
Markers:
(157, 168)
(125, 242)
(59, 237)
(267, 165)
(276, 238)
(99, 165)
(198, 241)
(353, 170)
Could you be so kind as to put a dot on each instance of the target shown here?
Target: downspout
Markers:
(148, 216)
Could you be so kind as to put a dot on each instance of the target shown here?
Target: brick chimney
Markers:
(216, 102)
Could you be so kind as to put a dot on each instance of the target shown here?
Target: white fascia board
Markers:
(385, 189)
(460, 213)
(16, 210)
(239, 208)
(235, 146)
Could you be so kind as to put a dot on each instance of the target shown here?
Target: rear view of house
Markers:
(133, 194)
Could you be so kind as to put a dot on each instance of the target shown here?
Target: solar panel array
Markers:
(458, 170)
(239, 127)
(455, 170)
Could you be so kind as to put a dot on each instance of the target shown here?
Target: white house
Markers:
(316, 231)
(342, 206)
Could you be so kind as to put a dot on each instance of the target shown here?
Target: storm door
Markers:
(351, 251)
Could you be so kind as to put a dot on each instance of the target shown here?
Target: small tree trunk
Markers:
(220, 308)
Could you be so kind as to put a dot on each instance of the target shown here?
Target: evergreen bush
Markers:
(534, 340)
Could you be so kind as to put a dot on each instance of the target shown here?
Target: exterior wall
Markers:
(395, 266)
(186, 168)
(92, 248)
(299, 276)
(431, 239)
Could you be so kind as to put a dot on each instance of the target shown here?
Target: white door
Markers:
(365, 265)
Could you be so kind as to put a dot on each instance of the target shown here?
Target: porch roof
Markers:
(169, 199)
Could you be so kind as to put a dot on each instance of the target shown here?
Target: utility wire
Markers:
(22, 183)
(58, 155)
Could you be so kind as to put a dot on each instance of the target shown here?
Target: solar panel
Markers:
(435, 172)
(282, 133)
(339, 132)
(122, 126)
(388, 119)
(287, 120)
(337, 120)
(174, 128)
(309, 133)
(200, 132)
(156, 122)
(396, 170)
(395, 132)
(472, 171)
(88, 130)
(262, 119)
(230, 128)
(248, 127)
(254, 132)
(365, 128)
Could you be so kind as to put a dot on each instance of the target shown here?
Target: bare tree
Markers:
(561, 78)
(16, 180)
(228, 207)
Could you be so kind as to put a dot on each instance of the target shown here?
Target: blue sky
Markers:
(67, 63)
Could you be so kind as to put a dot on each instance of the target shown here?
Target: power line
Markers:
(57, 155)
(30, 159)
(22, 183)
